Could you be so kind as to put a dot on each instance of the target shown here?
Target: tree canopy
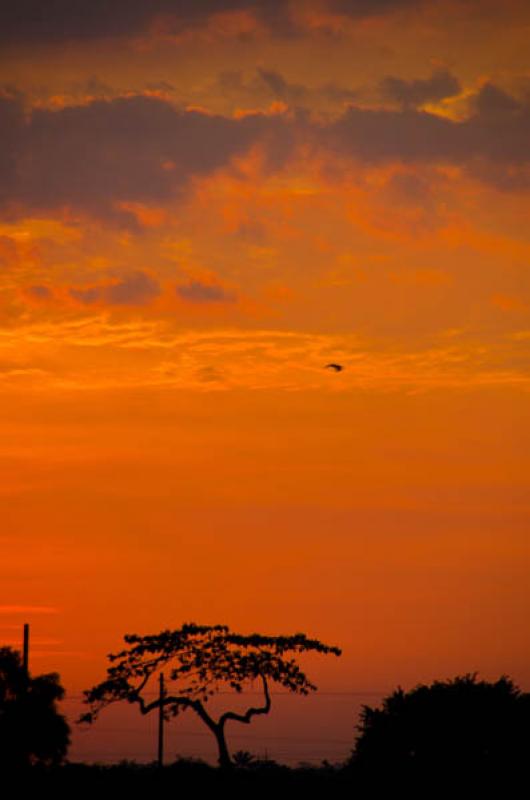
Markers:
(32, 731)
(197, 658)
(455, 725)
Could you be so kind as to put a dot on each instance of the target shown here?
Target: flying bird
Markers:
(336, 367)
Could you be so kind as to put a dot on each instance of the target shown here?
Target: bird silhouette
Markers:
(336, 367)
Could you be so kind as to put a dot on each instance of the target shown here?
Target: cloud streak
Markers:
(141, 354)
(27, 609)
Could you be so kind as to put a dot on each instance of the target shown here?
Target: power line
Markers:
(246, 737)
(317, 694)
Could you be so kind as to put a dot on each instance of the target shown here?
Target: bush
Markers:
(32, 732)
(459, 725)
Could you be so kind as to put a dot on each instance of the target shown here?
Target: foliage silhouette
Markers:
(455, 726)
(200, 657)
(261, 779)
(32, 731)
(243, 759)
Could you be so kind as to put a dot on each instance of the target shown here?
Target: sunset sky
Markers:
(202, 204)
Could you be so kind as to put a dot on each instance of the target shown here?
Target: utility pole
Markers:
(161, 722)
(25, 651)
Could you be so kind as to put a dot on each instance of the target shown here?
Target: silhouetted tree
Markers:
(459, 725)
(200, 657)
(32, 731)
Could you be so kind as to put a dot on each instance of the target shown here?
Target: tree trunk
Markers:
(225, 762)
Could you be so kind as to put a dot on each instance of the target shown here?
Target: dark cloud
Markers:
(161, 86)
(89, 295)
(11, 126)
(276, 83)
(391, 135)
(268, 85)
(370, 8)
(198, 292)
(141, 149)
(57, 21)
(38, 292)
(494, 138)
(99, 157)
(210, 375)
(297, 94)
(134, 289)
(410, 188)
(34, 21)
(494, 102)
(416, 92)
(53, 22)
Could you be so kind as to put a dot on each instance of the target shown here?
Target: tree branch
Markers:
(196, 705)
(250, 712)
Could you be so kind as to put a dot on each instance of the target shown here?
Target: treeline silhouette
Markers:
(456, 733)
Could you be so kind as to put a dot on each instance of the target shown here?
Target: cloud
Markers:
(416, 92)
(26, 609)
(56, 22)
(38, 292)
(11, 126)
(53, 23)
(377, 135)
(198, 292)
(138, 288)
(89, 295)
(297, 94)
(99, 157)
(154, 353)
(35, 22)
(369, 8)
(493, 143)
(491, 101)
(209, 375)
(96, 156)
(269, 84)
(135, 289)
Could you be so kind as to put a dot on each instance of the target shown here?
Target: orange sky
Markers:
(198, 212)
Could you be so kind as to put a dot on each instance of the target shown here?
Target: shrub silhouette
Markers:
(32, 731)
(454, 725)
